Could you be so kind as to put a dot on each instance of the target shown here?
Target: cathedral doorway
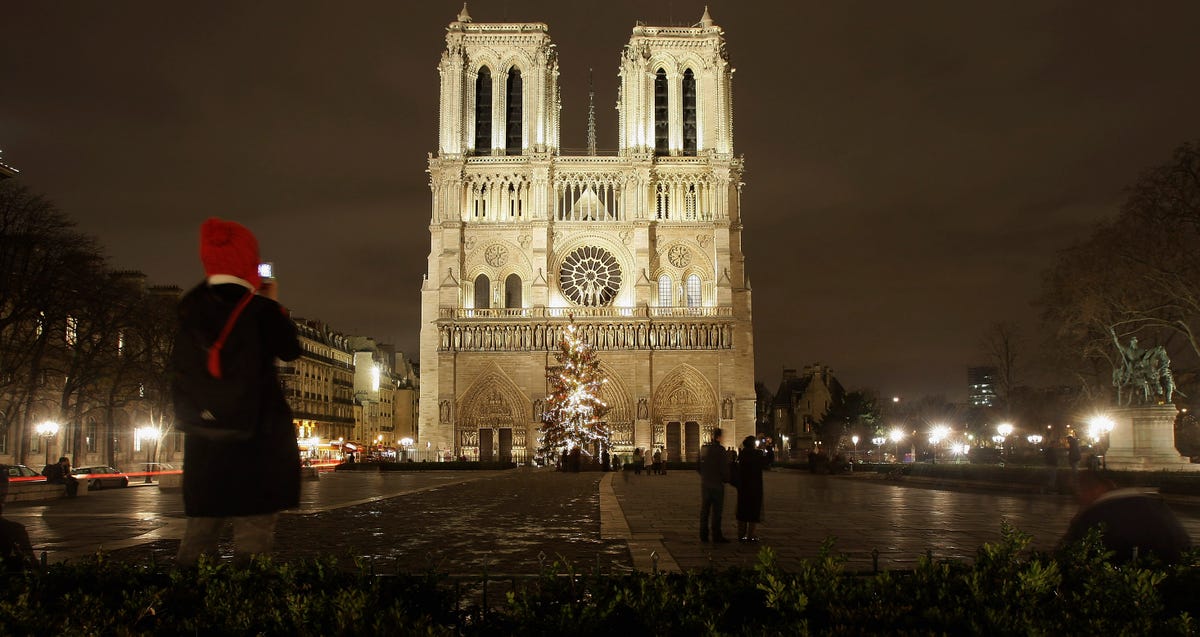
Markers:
(487, 445)
(691, 440)
(673, 441)
(506, 438)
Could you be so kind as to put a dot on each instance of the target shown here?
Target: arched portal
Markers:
(685, 413)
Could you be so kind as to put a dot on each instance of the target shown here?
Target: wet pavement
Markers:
(519, 521)
(862, 514)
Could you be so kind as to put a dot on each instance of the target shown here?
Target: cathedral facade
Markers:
(641, 248)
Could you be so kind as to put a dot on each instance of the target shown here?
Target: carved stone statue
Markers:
(1148, 370)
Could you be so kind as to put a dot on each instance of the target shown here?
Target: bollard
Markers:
(541, 560)
(654, 562)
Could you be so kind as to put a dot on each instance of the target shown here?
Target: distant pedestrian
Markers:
(60, 473)
(658, 460)
(714, 473)
(1073, 455)
(751, 462)
(1050, 459)
(639, 461)
(245, 483)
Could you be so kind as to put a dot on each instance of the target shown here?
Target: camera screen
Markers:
(266, 271)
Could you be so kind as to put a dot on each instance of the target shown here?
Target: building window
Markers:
(483, 112)
(91, 436)
(483, 296)
(693, 291)
(178, 442)
(512, 291)
(689, 113)
(662, 202)
(35, 443)
(137, 444)
(664, 291)
(72, 335)
(513, 129)
(689, 202)
(4, 441)
(661, 126)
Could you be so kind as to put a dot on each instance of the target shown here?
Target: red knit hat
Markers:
(230, 248)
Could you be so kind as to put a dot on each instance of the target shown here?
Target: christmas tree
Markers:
(573, 413)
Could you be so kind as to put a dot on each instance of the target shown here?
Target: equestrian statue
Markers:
(1148, 370)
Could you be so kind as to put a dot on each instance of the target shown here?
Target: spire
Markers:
(463, 16)
(706, 20)
(591, 116)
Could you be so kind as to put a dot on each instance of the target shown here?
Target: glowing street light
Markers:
(1004, 429)
(148, 435)
(47, 431)
(896, 435)
(1034, 439)
(1099, 425)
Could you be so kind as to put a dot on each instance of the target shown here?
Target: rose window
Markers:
(590, 276)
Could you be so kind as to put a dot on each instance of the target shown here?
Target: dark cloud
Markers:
(913, 167)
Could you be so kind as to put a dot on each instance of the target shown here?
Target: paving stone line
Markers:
(643, 547)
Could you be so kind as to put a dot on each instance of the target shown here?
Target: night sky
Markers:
(912, 167)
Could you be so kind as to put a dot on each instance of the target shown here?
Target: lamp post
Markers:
(47, 431)
(1005, 430)
(148, 435)
(878, 442)
(896, 436)
(854, 441)
(936, 436)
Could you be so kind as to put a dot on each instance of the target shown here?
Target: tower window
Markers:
(689, 113)
(662, 145)
(483, 292)
(512, 291)
(513, 129)
(693, 291)
(662, 203)
(483, 112)
(689, 202)
(664, 291)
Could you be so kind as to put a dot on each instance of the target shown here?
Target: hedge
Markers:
(425, 466)
(1007, 590)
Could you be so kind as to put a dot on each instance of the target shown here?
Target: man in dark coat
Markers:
(15, 551)
(714, 473)
(1129, 519)
(246, 483)
(751, 462)
(60, 473)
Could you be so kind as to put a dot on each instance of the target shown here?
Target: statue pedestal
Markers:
(1143, 439)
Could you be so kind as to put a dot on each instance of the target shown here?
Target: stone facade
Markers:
(642, 248)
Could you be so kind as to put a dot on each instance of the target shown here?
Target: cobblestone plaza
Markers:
(514, 521)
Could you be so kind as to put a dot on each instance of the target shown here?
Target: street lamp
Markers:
(1034, 439)
(896, 435)
(936, 436)
(854, 441)
(148, 435)
(47, 431)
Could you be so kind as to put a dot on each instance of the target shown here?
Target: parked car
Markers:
(101, 476)
(21, 473)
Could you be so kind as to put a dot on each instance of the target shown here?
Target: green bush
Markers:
(1007, 590)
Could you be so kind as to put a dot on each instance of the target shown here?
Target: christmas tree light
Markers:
(574, 410)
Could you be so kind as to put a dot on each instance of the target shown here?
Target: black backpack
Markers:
(217, 383)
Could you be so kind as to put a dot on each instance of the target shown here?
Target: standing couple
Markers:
(716, 470)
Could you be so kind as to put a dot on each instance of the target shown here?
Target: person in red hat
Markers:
(247, 482)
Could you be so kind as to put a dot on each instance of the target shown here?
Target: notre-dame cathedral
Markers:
(642, 247)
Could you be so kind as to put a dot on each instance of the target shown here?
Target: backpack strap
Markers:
(214, 352)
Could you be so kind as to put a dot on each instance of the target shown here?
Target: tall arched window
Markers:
(483, 112)
(513, 129)
(664, 291)
(483, 292)
(662, 202)
(662, 139)
(693, 291)
(689, 113)
(512, 291)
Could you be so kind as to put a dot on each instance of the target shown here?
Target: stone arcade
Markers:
(642, 247)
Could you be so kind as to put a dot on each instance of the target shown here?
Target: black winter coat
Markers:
(261, 475)
(750, 485)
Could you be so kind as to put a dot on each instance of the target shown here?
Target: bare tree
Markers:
(1138, 274)
(1003, 344)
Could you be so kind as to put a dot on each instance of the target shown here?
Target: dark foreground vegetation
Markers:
(1007, 590)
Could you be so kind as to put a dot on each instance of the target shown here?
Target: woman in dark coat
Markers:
(751, 462)
(249, 482)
